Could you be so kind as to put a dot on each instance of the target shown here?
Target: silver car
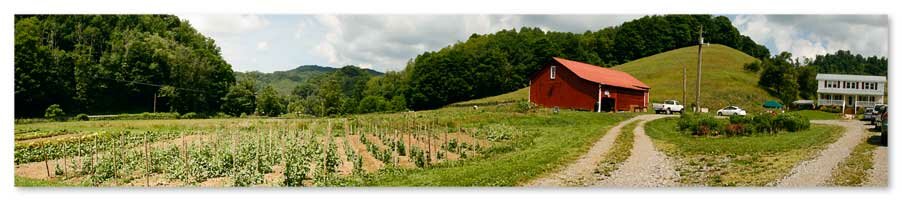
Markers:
(730, 111)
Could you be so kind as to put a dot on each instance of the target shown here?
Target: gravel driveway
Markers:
(817, 171)
(878, 176)
(646, 166)
(581, 172)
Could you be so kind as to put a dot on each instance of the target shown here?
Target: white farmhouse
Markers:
(850, 91)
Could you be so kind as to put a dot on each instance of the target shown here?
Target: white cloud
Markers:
(226, 24)
(387, 42)
(262, 46)
(810, 35)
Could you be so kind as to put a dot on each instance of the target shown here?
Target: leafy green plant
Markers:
(54, 112)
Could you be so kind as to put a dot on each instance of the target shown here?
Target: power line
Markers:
(150, 84)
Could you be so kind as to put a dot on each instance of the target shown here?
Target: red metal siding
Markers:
(568, 90)
(565, 91)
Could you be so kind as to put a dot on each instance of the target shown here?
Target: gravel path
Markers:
(580, 172)
(817, 171)
(646, 166)
(878, 176)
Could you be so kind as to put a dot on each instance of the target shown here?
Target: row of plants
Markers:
(708, 125)
(245, 153)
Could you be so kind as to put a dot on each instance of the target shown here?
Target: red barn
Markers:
(569, 84)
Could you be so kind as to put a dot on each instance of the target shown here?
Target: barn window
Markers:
(553, 71)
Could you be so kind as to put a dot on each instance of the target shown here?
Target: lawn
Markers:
(28, 182)
(550, 142)
(819, 115)
(510, 97)
(757, 160)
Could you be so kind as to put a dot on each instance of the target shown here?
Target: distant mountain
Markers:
(285, 81)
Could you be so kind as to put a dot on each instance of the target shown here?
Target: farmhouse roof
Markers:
(601, 75)
(843, 77)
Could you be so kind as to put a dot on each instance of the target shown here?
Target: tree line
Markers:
(492, 64)
(116, 63)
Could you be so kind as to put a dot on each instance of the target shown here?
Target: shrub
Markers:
(831, 109)
(82, 117)
(190, 115)
(736, 129)
(752, 67)
(524, 106)
(700, 124)
(764, 123)
(791, 122)
(54, 112)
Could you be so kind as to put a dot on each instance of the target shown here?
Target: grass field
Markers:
(819, 115)
(511, 97)
(724, 82)
(757, 160)
(28, 182)
(497, 145)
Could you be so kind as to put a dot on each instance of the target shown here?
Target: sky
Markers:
(270, 43)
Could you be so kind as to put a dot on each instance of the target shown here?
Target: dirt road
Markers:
(817, 172)
(581, 172)
(646, 166)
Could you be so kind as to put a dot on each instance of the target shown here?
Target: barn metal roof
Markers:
(601, 75)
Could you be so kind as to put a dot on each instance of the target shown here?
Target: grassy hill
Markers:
(724, 81)
(285, 81)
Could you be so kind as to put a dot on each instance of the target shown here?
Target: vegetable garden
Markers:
(251, 152)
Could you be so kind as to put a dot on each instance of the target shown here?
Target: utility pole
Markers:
(154, 102)
(698, 84)
(684, 85)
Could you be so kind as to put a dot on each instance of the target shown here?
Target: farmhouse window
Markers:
(553, 71)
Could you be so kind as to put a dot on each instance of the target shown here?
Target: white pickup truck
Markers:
(668, 107)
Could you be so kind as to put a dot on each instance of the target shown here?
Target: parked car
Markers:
(668, 107)
(878, 119)
(730, 111)
(884, 129)
(870, 115)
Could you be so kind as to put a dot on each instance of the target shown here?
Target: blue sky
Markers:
(269, 43)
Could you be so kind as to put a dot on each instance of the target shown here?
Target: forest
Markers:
(101, 64)
(108, 64)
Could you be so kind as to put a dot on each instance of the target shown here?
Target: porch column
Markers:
(598, 108)
(844, 104)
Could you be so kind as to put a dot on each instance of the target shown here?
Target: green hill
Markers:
(285, 81)
(724, 81)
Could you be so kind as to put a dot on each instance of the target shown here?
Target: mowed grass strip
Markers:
(757, 160)
(819, 115)
(510, 97)
(853, 171)
(549, 141)
(620, 151)
(28, 182)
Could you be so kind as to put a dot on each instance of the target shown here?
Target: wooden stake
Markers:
(185, 147)
(146, 162)
(44, 157)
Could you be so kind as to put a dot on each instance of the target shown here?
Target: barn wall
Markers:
(627, 97)
(567, 90)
